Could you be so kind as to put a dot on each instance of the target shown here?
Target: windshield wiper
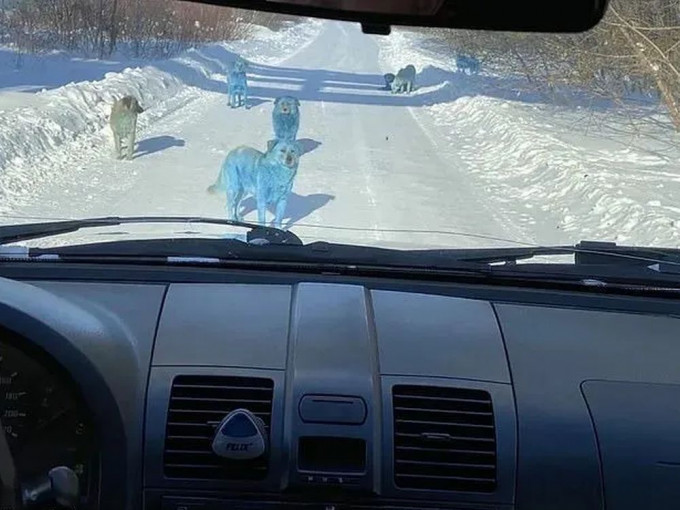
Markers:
(608, 267)
(585, 253)
(257, 234)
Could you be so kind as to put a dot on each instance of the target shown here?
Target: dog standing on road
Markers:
(267, 176)
(123, 122)
(286, 119)
(467, 63)
(238, 84)
(405, 80)
(238, 90)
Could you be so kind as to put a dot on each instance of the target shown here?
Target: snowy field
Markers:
(464, 161)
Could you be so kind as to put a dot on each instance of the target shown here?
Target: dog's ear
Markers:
(299, 147)
(277, 101)
(270, 145)
(297, 101)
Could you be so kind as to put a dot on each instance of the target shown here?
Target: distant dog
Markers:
(465, 62)
(238, 84)
(286, 118)
(123, 122)
(405, 80)
(389, 78)
(267, 176)
(238, 90)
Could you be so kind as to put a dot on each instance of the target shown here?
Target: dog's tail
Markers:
(219, 185)
(216, 187)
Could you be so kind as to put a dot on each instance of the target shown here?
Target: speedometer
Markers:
(44, 421)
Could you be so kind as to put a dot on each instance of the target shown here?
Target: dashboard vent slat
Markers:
(197, 405)
(444, 439)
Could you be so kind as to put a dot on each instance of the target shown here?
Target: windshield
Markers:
(421, 139)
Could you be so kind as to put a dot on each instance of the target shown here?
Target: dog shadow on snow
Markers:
(307, 145)
(434, 85)
(157, 144)
(297, 208)
(207, 68)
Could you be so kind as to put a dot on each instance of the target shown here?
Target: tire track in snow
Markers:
(455, 165)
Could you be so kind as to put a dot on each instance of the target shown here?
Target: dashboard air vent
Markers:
(197, 405)
(444, 439)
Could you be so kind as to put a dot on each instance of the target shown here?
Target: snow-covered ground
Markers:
(586, 171)
(464, 161)
(55, 108)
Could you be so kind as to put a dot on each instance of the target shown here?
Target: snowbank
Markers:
(586, 171)
(67, 117)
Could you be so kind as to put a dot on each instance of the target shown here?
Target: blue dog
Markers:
(238, 91)
(267, 176)
(238, 84)
(286, 119)
(465, 62)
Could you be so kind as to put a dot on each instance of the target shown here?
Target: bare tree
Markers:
(634, 50)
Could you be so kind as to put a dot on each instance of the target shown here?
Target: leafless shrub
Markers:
(143, 28)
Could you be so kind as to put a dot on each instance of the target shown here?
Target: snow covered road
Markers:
(462, 155)
(370, 166)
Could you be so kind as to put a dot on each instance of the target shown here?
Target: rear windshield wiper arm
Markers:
(28, 231)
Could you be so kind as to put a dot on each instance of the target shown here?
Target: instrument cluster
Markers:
(45, 426)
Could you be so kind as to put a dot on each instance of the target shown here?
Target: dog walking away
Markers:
(466, 62)
(389, 78)
(123, 123)
(405, 80)
(266, 176)
(286, 118)
(238, 84)
(238, 90)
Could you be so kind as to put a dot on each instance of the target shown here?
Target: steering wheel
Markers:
(8, 484)
(59, 486)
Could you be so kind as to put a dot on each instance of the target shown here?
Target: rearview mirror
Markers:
(376, 16)
(384, 7)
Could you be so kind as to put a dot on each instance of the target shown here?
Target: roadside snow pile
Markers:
(68, 117)
(586, 171)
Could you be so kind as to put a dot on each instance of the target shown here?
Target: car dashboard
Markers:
(371, 393)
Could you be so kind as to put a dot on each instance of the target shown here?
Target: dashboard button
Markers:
(177, 504)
